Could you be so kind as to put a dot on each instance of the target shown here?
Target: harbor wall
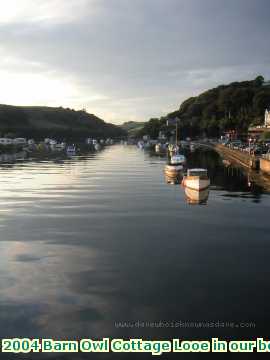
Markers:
(245, 159)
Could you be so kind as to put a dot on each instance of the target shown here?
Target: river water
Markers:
(102, 246)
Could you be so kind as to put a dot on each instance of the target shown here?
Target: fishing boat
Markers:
(195, 197)
(196, 179)
(175, 165)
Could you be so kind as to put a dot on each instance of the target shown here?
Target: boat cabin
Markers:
(201, 173)
(177, 159)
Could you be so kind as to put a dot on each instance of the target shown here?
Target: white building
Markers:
(267, 118)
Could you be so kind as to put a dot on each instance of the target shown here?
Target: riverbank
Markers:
(254, 166)
(243, 158)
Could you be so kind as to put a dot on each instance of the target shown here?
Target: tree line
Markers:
(59, 123)
(227, 107)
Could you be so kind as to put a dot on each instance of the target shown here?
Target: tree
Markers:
(259, 80)
(261, 101)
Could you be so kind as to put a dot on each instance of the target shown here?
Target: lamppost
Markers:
(249, 142)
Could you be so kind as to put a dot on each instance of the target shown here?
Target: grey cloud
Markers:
(158, 51)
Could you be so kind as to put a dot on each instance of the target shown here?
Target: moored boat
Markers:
(140, 144)
(196, 179)
(71, 150)
(160, 148)
(174, 179)
(195, 197)
(175, 166)
(97, 146)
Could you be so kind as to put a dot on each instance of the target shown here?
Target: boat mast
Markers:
(176, 130)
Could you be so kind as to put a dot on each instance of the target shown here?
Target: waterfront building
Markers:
(267, 118)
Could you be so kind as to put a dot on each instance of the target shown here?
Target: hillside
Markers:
(233, 106)
(40, 122)
(132, 127)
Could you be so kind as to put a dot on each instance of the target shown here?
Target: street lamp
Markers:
(249, 142)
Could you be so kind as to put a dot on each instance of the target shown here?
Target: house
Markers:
(6, 141)
(267, 118)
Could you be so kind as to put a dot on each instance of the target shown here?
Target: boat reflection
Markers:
(195, 197)
(174, 179)
(12, 157)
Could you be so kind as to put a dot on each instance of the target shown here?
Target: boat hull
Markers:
(196, 197)
(196, 184)
(173, 170)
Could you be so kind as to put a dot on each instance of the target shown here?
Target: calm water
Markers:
(102, 239)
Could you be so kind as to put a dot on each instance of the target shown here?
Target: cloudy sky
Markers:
(128, 59)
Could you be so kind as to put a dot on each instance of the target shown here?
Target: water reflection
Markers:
(174, 179)
(100, 239)
(13, 157)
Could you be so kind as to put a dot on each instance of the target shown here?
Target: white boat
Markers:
(175, 165)
(97, 146)
(173, 179)
(192, 147)
(160, 148)
(140, 145)
(196, 197)
(71, 150)
(157, 148)
(196, 179)
(178, 159)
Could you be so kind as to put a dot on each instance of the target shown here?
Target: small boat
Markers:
(71, 150)
(196, 179)
(195, 197)
(140, 145)
(97, 146)
(192, 147)
(174, 179)
(175, 165)
(160, 149)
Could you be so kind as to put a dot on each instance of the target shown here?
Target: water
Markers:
(101, 246)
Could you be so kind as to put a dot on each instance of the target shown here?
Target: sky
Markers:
(128, 60)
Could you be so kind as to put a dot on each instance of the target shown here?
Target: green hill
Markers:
(234, 106)
(39, 122)
(132, 127)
